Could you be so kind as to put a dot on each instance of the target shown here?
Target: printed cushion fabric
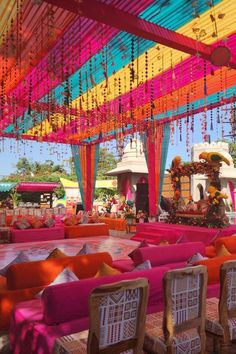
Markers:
(75, 343)
(143, 266)
(105, 270)
(22, 224)
(86, 249)
(212, 320)
(195, 258)
(56, 253)
(66, 276)
(223, 251)
(21, 258)
(142, 244)
(37, 224)
(49, 223)
(185, 342)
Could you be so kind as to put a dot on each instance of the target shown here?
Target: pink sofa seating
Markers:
(175, 236)
(63, 309)
(34, 235)
(171, 256)
(154, 238)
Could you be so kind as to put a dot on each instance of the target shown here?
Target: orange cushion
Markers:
(8, 300)
(229, 242)
(87, 265)
(56, 253)
(9, 219)
(105, 270)
(69, 221)
(213, 266)
(163, 242)
(3, 283)
(210, 251)
(86, 230)
(37, 224)
(222, 251)
(40, 273)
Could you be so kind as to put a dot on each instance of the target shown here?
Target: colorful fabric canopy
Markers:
(70, 79)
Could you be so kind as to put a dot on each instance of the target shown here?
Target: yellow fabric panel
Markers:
(7, 10)
(109, 183)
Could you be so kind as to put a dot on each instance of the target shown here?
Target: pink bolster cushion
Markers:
(65, 302)
(161, 255)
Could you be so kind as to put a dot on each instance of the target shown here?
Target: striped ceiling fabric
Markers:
(70, 79)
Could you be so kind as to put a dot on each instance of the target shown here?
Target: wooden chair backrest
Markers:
(117, 317)
(227, 303)
(185, 303)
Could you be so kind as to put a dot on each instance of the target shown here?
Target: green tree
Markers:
(106, 162)
(102, 193)
(23, 166)
(36, 171)
(59, 191)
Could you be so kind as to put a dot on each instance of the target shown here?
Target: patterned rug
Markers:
(117, 247)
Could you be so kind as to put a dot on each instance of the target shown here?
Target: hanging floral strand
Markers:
(131, 81)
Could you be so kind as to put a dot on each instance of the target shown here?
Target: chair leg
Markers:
(224, 347)
(216, 345)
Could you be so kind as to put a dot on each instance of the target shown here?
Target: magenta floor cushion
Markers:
(63, 309)
(33, 235)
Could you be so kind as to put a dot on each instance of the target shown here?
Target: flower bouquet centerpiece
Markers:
(215, 216)
(141, 216)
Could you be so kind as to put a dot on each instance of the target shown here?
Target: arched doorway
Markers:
(142, 195)
(200, 191)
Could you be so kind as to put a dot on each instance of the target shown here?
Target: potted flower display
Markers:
(130, 217)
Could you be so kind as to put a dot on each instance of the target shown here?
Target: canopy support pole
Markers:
(124, 21)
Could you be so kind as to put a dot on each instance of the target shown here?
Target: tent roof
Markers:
(71, 79)
(6, 187)
(37, 186)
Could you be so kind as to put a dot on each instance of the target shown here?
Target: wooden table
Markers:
(4, 234)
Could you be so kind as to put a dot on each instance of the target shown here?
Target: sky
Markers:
(11, 150)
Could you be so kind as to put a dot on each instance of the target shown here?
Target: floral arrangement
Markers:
(215, 196)
(209, 212)
(129, 214)
(141, 215)
(215, 215)
(107, 205)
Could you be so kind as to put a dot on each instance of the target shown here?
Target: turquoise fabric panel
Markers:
(77, 163)
(165, 146)
(6, 187)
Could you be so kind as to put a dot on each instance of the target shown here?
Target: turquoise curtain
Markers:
(86, 163)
